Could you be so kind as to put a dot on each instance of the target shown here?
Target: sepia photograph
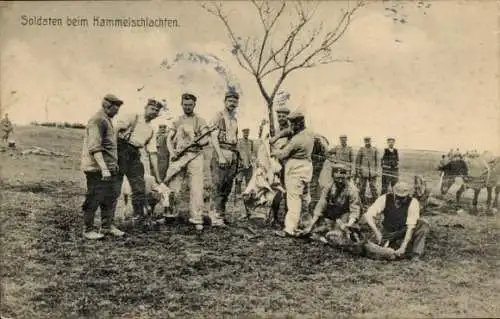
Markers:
(250, 159)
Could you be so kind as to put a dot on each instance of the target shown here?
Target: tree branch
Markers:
(218, 13)
(267, 29)
(330, 39)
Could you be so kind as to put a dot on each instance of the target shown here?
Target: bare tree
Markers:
(307, 43)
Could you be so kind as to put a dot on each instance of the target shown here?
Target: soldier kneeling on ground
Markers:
(401, 221)
(338, 201)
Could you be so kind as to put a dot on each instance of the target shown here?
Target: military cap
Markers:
(283, 109)
(245, 130)
(295, 116)
(111, 98)
(339, 166)
(367, 138)
(401, 189)
(162, 126)
(189, 96)
(343, 136)
(341, 170)
(232, 93)
(391, 139)
(156, 103)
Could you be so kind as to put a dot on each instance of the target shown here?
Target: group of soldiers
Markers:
(112, 151)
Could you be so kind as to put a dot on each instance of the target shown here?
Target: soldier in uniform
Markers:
(343, 153)
(390, 165)
(247, 157)
(298, 172)
(7, 128)
(181, 135)
(224, 162)
(367, 169)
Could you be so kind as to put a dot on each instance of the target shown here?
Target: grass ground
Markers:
(49, 271)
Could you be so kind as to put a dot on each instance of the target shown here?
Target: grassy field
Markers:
(49, 271)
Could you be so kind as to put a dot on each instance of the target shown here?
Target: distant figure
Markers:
(247, 157)
(444, 160)
(456, 168)
(340, 154)
(7, 128)
(367, 165)
(343, 153)
(390, 166)
(163, 153)
(100, 165)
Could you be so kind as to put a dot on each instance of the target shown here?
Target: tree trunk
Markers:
(270, 112)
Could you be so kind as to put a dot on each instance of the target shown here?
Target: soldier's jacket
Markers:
(343, 154)
(228, 128)
(367, 162)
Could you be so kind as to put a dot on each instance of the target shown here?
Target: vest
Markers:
(390, 159)
(394, 217)
(339, 204)
(222, 136)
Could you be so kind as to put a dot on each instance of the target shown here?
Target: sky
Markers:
(432, 82)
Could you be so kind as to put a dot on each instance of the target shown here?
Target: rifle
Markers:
(196, 141)
(177, 164)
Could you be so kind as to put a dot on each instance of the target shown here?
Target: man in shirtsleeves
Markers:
(100, 165)
(401, 221)
(182, 134)
(224, 162)
(135, 132)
